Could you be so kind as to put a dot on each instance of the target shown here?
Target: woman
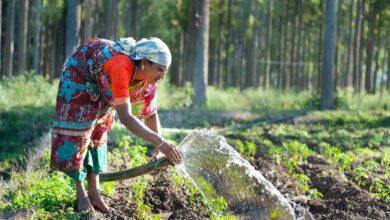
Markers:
(101, 77)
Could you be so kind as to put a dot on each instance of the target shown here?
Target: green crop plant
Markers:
(247, 149)
(296, 150)
(142, 209)
(360, 175)
(42, 193)
(303, 181)
(276, 153)
(108, 188)
(251, 149)
(291, 165)
(314, 194)
(344, 161)
(218, 206)
(380, 189)
(371, 165)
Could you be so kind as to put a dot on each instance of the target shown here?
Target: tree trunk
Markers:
(201, 56)
(293, 46)
(110, 18)
(281, 48)
(327, 92)
(9, 38)
(347, 79)
(370, 49)
(59, 49)
(252, 49)
(356, 46)
(36, 35)
(22, 36)
(1, 28)
(300, 63)
(268, 37)
(219, 46)
(376, 69)
(72, 25)
(361, 49)
(337, 55)
(98, 20)
(136, 19)
(320, 49)
(388, 69)
(87, 23)
(286, 75)
(191, 37)
(242, 43)
(228, 71)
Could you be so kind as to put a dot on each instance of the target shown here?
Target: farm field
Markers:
(334, 163)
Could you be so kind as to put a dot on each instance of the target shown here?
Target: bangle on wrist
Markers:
(160, 144)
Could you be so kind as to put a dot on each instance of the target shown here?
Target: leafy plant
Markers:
(291, 165)
(360, 175)
(142, 209)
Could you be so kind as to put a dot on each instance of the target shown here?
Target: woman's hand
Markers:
(170, 150)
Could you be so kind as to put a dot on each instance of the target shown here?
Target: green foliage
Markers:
(380, 189)
(360, 175)
(336, 157)
(291, 165)
(137, 196)
(45, 193)
(26, 90)
(298, 151)
(371, 165)
(172, 97)
(26, 106)
(303, 182)
(247, 149)
(314, 194)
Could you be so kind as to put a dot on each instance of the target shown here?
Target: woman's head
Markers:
(152, 55)
(150, 71)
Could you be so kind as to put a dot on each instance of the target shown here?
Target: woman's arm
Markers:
(132, 123)
(153, 122)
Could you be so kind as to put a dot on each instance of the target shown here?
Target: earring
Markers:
(143, 67)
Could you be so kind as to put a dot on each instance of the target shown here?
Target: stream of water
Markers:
(218, 170)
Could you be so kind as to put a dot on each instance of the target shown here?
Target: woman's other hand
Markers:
(170, 150)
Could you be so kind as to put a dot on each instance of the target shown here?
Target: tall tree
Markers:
(294, 27)
(87, 22)
(9, 38)
(72, 25)
(201, 55)
(228, 74)
(110, 19)
(286, 76)
(356, 45)
(135, 21)
(347, 75)
(191, 37)
(327, 91)
(362, 47)
(1, 26)
(370, 46)
(267, 72)
(252, 50)
(22, 36)
(36, 10)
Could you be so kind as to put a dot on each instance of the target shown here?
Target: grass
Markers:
(351, 139)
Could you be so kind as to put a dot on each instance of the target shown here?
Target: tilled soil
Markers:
(163, 197)
(342, 198)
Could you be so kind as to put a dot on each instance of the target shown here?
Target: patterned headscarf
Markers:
(152, 49)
